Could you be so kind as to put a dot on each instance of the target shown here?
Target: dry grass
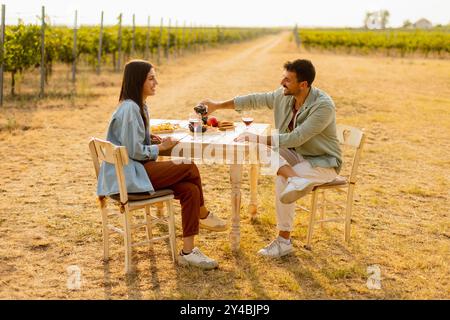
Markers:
(49, 218)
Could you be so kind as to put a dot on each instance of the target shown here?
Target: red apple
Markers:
(212, 121)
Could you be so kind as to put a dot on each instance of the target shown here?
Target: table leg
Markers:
(253, 206)
(235, 180)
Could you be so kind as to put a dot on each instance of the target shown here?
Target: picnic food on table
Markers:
(225, 125)
(212, 121)
(165, 127)
(191, 128)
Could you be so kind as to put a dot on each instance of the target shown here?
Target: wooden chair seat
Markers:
(339, 181)
(143, 195)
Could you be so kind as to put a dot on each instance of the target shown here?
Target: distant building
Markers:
(423, 24)
(376, 19)
(373, 20)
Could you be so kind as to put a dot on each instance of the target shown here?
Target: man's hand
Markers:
(254, 138)
(167, 144)
(212, 105)
(247, 137)
(215, 105)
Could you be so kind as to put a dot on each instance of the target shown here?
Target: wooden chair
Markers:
(117, 155)
(354, 138)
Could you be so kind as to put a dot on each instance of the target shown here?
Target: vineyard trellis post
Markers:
(183, 39)
(200, 39)
(41, 92)
(159, 41)
(205, 37)
(2, 41)
(176, 38)
(133, 36)
(190, 38)
(218, 34)
(119, 44)
(197, 37)
(209, 36)
(168, 40)
(74, 51)
(100, 38)
(147, 39)
(194, 38)
(221, 35)
(296, 36)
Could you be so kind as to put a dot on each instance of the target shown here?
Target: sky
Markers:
(313, 13)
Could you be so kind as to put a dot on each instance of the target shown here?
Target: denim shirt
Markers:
(314, 135)
(127, 129)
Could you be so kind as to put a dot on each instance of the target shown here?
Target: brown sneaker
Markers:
(213, 223)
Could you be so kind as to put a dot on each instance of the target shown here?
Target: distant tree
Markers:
(384, 18)
(367, 19)
(407, 23)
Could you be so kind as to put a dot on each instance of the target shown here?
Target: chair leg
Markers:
(159, 209)
(105, 228)
(149, 227)
(323, 208)
(348, 212)
(253, 206)
(312, 218)
(127, 239)
(172, 236)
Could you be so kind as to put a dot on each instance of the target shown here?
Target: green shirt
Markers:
(314, 136)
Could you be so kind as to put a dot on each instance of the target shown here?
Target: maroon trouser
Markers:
(184, 180)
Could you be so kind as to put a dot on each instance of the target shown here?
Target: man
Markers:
(309, 149)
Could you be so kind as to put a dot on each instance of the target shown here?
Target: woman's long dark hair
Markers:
(134, 76)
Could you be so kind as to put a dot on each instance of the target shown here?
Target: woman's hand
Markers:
(155, 139)
(167, 144)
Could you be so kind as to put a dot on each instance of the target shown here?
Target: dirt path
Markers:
(49, 219)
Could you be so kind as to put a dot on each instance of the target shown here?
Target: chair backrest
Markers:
(102, 150)
(355, 138)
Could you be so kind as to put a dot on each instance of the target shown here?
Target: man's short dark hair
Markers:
(303, 68)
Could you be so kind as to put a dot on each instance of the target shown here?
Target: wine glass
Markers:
(247, 118)
(195, 121)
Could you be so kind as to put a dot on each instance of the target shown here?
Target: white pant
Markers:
(318, 175)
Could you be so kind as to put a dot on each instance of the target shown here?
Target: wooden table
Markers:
(218, 147)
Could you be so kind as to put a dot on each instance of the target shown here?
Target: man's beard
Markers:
(286, 91)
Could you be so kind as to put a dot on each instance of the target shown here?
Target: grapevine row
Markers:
(22, 43)
(405, 41)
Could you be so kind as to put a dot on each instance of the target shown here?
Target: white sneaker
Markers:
(197, 259)
(296, 188)
(213, 223)
(276, 249)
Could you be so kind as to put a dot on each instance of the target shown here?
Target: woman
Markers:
(129, 127)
